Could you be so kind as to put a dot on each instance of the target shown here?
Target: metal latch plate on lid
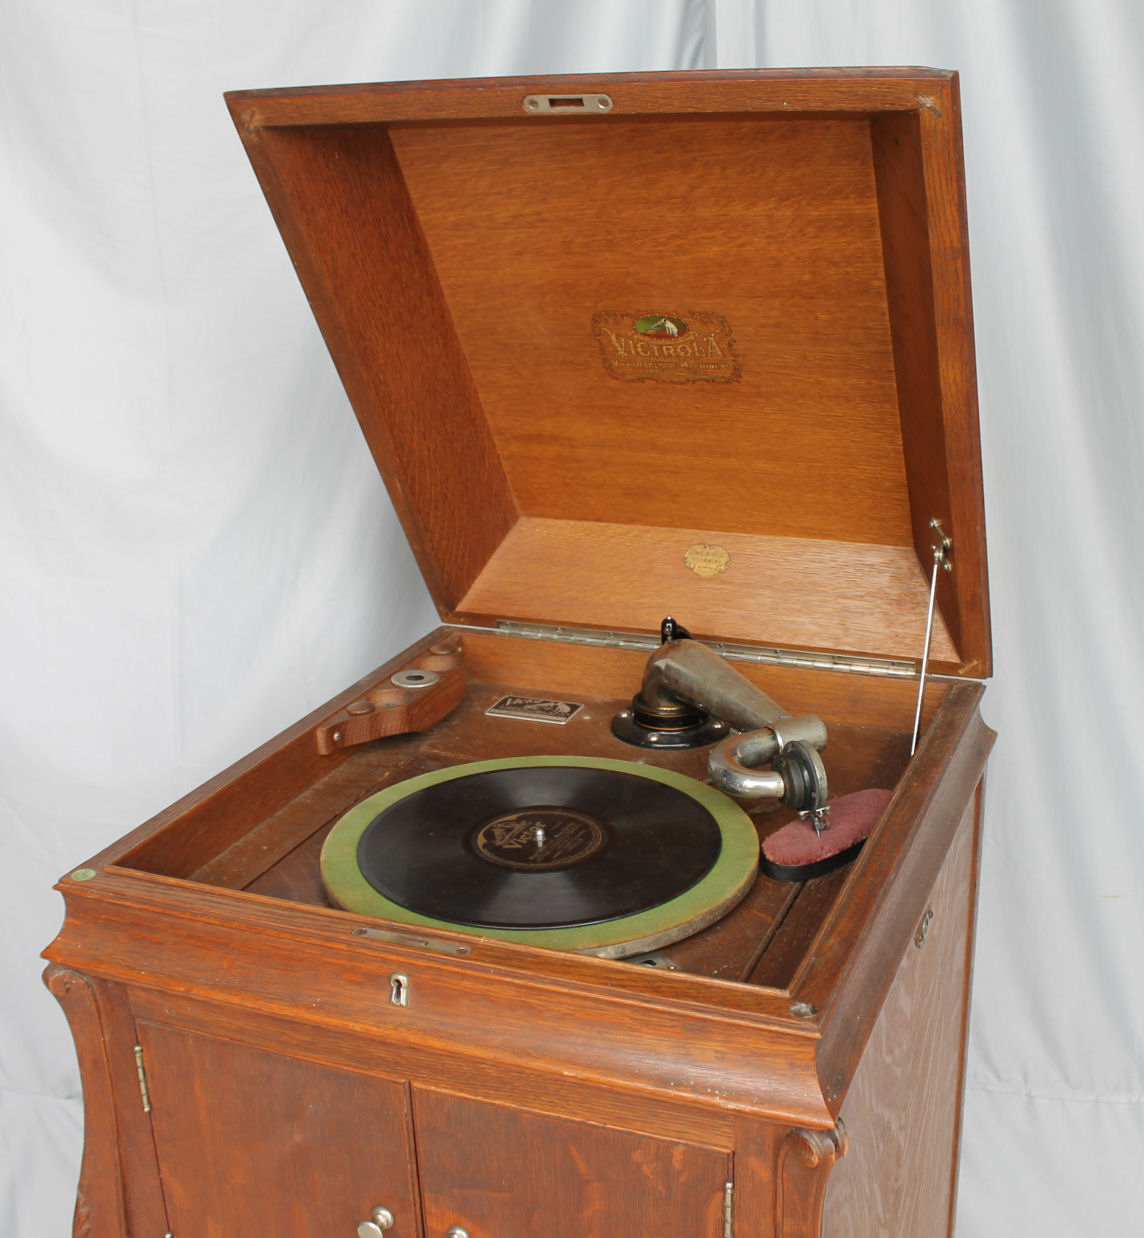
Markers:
(568, 105)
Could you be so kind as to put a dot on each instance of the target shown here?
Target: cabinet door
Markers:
(254, 1142)
(498, 1172)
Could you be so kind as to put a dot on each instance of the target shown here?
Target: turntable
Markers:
(569, 918)
(607, 857)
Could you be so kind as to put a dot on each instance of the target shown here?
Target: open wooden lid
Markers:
(695, 344)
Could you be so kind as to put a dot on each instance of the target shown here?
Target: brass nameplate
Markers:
(667, 348)
(534, 709)
(706, 560)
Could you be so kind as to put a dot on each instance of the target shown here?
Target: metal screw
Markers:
(337, 737)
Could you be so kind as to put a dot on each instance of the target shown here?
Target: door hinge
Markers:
(142, 1073)
(728, 1210)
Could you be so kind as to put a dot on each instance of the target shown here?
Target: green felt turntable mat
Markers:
(711, 897)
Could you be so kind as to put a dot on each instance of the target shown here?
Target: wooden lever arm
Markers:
(413, 699)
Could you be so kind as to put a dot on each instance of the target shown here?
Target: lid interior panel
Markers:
(851, 597)
(536, 231)
(584, 348)
(341, 204)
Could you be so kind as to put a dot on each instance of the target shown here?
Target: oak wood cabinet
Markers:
(619, 346)
(245, 1134)
(807, 1050)
(247, 1137)
(494, 1169)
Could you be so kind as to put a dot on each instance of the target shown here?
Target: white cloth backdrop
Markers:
(195, 548)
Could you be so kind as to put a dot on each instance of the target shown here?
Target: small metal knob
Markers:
(456, 1231)
(382, 1220)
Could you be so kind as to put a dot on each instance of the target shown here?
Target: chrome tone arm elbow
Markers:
(690, 695)
(776, 755)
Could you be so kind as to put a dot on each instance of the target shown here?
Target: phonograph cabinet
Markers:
(445, 958)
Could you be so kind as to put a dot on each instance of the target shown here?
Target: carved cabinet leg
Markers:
(805, 1160)
(99, 1209)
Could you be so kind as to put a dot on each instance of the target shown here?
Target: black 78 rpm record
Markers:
(546, 846)
(607, 857)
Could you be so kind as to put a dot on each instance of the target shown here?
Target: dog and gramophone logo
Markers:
(660, 327)
(667, 348)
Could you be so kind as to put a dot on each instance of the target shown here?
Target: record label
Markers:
(536, 839)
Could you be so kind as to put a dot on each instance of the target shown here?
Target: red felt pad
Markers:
(851, 818)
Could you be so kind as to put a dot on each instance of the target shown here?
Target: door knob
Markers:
(382, 1219)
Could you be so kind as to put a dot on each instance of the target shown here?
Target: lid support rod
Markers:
(941, 561)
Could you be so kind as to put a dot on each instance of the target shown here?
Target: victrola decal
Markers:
(667, 348)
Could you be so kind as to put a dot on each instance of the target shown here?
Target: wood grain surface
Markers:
(100, 1210)
(343, 209)
(854, 599)
(460, 266)
(781, 91)
(130, 922)
(119, 1190)
(513, 1078)
(773, 226)
(462, 258)
(495, 1170)
(249, 1140)
(903, 1110)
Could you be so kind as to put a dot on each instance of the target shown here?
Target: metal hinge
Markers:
(728, 1209)
(142, 1073)
(771, 655)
